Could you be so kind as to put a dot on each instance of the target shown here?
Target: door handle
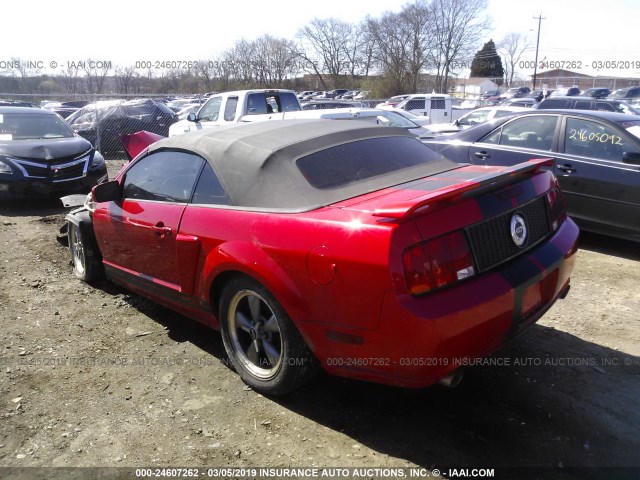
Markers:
(566, 168)
(482, 154)
(158, 228)
(161, 230)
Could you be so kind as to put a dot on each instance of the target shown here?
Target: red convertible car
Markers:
(332, 245)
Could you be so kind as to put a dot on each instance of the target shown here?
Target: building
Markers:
(560, 78)
(474, 86)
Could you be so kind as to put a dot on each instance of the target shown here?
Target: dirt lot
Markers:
(95, 376)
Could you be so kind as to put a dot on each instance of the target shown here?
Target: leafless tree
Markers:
(358, 51)
(418, 25)
(402, 42)
(70, 80)
(512, 47)
(273, 60)
(124, 78)
(225, 70)
(28, 74)
(95, 73)
(365, 47)
(169, 81)
(242, 58)
(390, 48)
(323, 47)
(205, 71)
(458, 28)
(309, 63)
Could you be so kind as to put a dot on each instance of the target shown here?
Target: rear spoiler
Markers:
(137, 142)
(456, 192)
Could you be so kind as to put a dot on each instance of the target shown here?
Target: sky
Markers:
(599, 37)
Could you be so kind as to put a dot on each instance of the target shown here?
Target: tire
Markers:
(86, 265)
(263, 344)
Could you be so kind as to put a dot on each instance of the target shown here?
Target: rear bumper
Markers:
(422, 339)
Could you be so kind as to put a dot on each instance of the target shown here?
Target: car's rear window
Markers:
(263, 103)
(364, 159)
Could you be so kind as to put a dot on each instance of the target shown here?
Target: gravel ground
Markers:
(96, 376)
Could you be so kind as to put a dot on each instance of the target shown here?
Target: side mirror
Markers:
(631, 157)
(106, 192)
(192, 117)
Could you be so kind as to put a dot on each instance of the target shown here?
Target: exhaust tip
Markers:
(453, 379)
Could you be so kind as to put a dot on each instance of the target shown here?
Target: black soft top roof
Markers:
(256, 162)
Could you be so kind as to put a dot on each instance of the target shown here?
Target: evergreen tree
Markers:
(487, 63)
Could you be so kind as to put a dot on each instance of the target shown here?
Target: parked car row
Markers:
(494, 97)
(616, 148)
(587, 103)
(179, 103)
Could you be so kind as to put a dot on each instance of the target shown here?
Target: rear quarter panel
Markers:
(320, 268)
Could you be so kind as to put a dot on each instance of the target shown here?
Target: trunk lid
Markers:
(409, 199)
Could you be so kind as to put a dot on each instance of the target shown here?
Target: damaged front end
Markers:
(77, 216)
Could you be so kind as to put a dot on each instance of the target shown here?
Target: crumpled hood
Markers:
(45, 149)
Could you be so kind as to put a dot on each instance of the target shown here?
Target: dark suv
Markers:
(628, 93)
(596, 92)
(586, 103)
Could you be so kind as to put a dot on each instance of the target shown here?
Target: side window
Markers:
(584, 105)
(209, 190)
(474, 118)
(438, 104)
(531, 131)
(553, 103)
(289, 102)
(230, 109)
(256, 104)
(210, 110)
(166, 176)
(415, 104)
(606, 107)
(493, 138)
(595, 140)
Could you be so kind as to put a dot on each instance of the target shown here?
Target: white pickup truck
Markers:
(438, 107)
(240, 106)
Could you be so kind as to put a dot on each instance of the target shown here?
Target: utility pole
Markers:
(535, 65)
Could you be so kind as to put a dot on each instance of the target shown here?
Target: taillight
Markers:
(437, 263)
(557, 213)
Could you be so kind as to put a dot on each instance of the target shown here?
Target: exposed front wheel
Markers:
(262, 342)
(85, 264)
